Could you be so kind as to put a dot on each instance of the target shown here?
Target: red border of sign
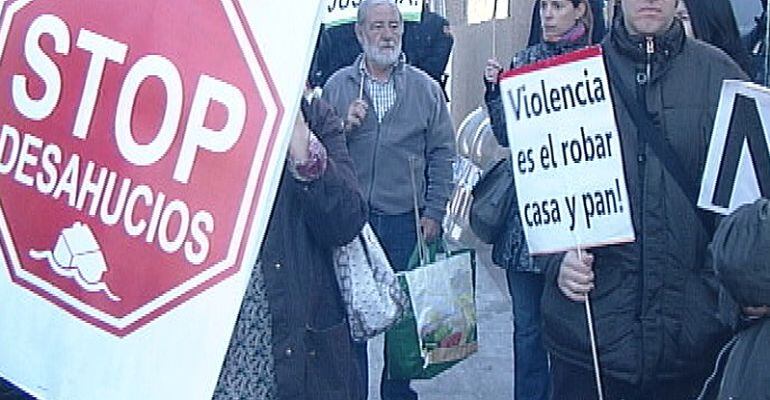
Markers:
(228, 272)
(2, 14)
(576, 55)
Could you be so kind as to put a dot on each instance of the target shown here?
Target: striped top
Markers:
(383, 94)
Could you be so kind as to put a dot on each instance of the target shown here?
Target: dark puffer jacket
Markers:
(655, 300)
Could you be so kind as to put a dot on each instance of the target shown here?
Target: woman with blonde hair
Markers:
(566, 26)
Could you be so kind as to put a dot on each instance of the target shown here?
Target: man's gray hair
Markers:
(365, 5)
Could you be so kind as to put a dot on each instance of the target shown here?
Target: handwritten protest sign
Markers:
(340, 12)
(738, 163)
(567, 161)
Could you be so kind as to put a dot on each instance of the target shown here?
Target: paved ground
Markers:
(486, 375)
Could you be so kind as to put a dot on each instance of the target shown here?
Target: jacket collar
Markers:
(666, 45)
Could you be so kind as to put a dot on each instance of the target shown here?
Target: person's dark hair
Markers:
(365, 5)
(713, 22)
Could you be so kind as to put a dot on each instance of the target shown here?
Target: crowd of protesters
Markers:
(683, 310)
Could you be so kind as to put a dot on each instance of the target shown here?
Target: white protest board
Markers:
(164, 304)
(340, 12)
(737, 167)
(566, 153)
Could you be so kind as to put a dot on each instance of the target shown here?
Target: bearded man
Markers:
(401, 140)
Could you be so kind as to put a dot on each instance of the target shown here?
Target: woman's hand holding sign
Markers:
(576, 275)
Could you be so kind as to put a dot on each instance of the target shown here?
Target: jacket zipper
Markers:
(377, 139)
(642, 160)
(642, 93)
(650, 49)
(642, 150)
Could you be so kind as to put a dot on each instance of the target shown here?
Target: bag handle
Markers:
(421, 244)
(650, 133)
(364, 247)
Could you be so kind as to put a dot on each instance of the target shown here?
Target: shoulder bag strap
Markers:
(652, 135)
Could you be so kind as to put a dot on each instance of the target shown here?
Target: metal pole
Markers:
(592, 339)
(494, 30)
(766, 77)
(594, 350)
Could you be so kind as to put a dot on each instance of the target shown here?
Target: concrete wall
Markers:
(473, 46)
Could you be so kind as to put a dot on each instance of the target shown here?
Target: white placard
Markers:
(340, 12)
(566, 153)
(738, 163)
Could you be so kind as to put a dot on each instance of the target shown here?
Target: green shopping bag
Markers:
(447, 320)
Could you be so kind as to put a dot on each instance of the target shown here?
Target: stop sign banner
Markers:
(140, 148)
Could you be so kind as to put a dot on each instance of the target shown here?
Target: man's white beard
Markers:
(382, 58)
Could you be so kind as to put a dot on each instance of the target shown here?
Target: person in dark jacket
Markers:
(566, 26)
(747, 373)
(654, 300)
(741, 256)
(428, 43)
(336, 47)
(713, 22)
(291, 340)
(754, 42)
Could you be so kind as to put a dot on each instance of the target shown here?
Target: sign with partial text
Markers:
(566, 153)
(340, 12)
(737, 167)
